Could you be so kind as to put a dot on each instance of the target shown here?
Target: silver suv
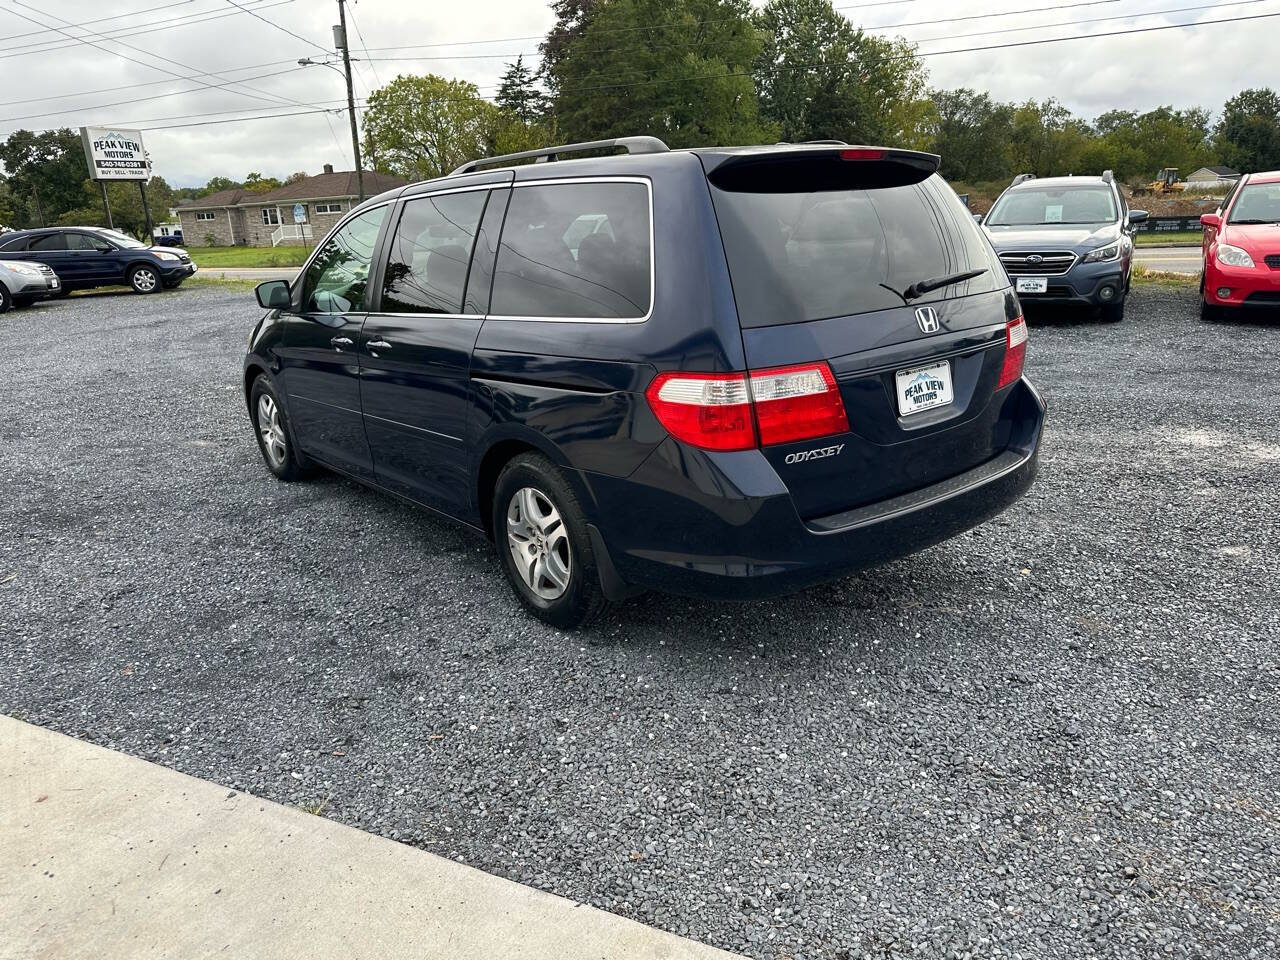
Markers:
(22, 284)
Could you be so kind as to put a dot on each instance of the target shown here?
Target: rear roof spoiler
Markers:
(812, 166)
(546, 154)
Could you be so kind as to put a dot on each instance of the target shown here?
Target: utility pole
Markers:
(340, 40)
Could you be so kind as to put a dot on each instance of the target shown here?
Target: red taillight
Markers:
(709, 410)
(861, 154)
(720, 411)
(797, 403)
(1015, 352)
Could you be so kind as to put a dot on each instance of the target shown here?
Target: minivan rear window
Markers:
(795, 257)
(575, 250)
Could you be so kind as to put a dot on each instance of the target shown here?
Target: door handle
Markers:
(341, 342)
(378, 344)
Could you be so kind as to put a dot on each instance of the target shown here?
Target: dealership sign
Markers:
(115, 154)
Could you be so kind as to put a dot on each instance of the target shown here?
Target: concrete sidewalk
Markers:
(107, 856)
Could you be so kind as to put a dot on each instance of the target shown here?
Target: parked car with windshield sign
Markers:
(1241, 249)
(86, 257)
(724, 372)
(1066, 240)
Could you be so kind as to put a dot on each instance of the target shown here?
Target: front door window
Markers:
(337, 278)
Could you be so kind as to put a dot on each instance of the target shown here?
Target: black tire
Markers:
(144, 279)
(60, 294)
(582, 600)
(21, 303)
(1113, 312)
(6, 299)
(1208, 312)
(283, 460)
(174, 285)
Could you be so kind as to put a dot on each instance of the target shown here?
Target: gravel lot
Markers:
(1056, 736)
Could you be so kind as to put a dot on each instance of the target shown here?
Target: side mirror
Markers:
(1137, 216)
(1210, 220)
(977, 218)
(105, 248)
(274, 295)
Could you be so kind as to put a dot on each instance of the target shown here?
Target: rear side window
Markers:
(795, 257)
(50, 241)
(575, 250)
(427, 264)
(17, 243)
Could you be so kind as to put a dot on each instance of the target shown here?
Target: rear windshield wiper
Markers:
(921, 287)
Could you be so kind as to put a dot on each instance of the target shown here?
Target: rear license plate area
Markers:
(923, 388)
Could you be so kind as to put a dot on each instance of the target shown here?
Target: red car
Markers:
(1242, 248)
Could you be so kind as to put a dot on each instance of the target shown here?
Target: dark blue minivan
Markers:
(726, 372)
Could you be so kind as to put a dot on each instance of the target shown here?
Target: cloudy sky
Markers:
(173, 67)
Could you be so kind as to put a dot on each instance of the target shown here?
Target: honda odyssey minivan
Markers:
(724, 372)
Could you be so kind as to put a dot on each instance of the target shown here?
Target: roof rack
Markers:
(812, 143)
(1108, 176)
(1022, 178)
(546, 154)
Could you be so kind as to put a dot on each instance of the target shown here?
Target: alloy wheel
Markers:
(144, 280)
(539, 543)
(271, 430)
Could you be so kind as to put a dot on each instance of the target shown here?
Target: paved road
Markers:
(1052, 737)
(1172, 259)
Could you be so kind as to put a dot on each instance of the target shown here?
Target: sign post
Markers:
(117, 154)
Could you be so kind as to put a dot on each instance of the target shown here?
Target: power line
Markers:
(272, 23)
(49, 46)
(144, 83)
(363, 45)
(114, 16)
(158, 96)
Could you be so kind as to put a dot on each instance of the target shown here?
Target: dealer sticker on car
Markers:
(1032, 285)
(922, 388)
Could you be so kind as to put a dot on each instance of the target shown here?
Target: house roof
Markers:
(1219, 171)
(223, 198)
(324, 186)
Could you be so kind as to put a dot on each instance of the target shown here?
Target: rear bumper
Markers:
(724, 526)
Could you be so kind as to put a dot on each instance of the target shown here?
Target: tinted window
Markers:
(808, 256)
(78, 241)
(50, 241)
(337, 277)
(427, 264)
(1257, 203)
(17, 243)
(1032, 206)
(575, 250)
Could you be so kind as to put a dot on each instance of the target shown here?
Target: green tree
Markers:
(1045, 139)
(1136, 145)
(257, 183)
(127, 214)
(971, 132)
(46, 171)
(518, 93)
(675, 69)
(1248, 132)
(572, 17)
(217, 185)
(297, 177)
(820, 78)
(425, 126)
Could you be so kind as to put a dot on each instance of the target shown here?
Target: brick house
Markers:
(240, 217)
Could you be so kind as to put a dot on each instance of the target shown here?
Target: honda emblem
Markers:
(927, 317)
